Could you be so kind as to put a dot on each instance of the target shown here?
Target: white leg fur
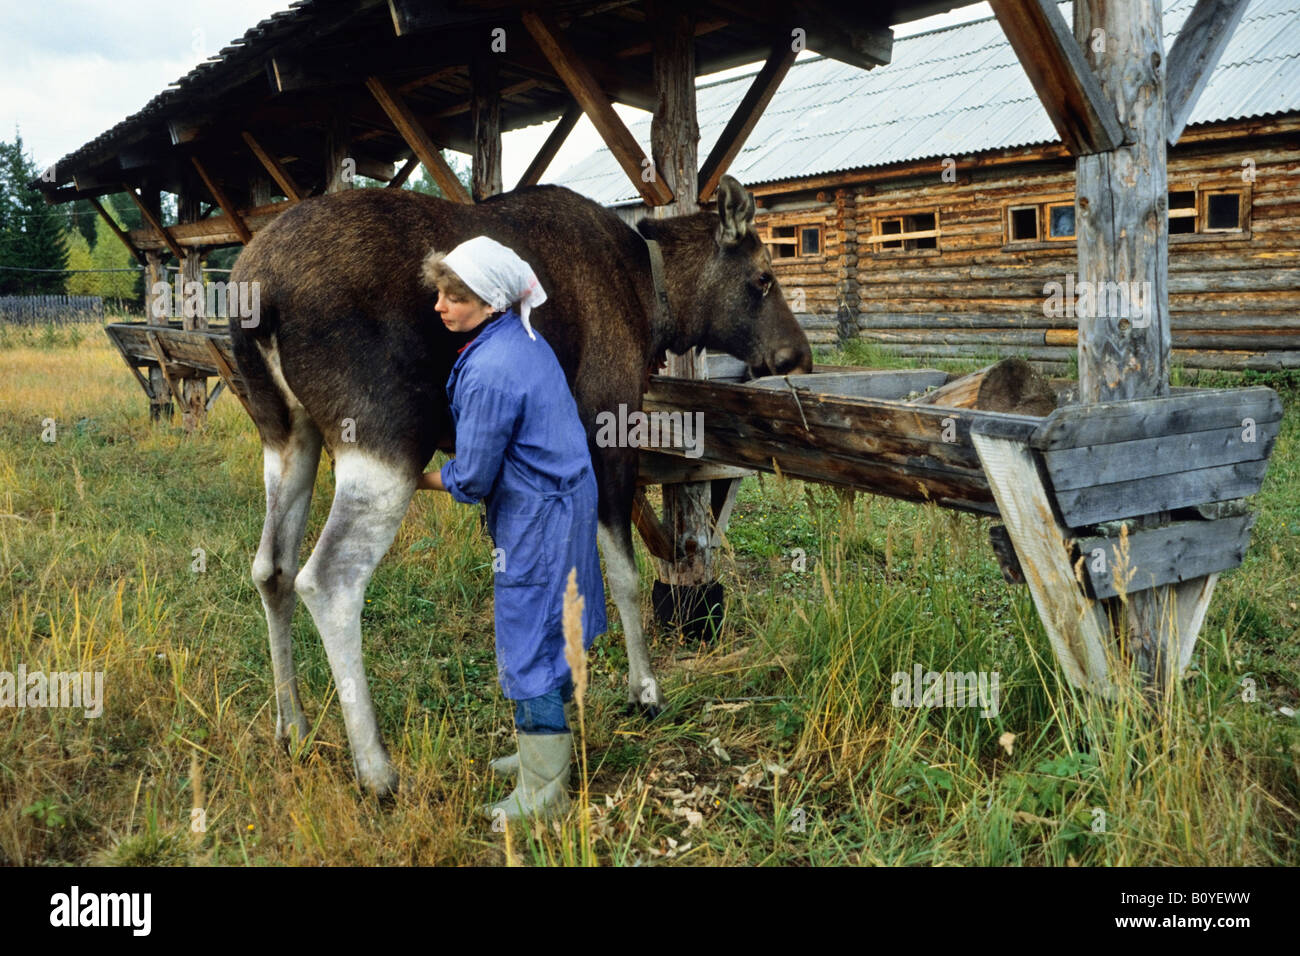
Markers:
(370, 500)
(289, 475)
(620, 568)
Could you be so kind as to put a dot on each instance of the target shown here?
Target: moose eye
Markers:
(763, 283)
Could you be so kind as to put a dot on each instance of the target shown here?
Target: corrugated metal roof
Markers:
(949, 92)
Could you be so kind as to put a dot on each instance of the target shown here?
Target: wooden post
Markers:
(1122, 222)
(847, 299)
(686, 590)
(160, 397)
(194, 413)
(486, 115)
(337, 145)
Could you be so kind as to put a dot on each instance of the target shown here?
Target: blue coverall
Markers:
(521, 447)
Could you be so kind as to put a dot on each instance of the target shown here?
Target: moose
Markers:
(346, 352)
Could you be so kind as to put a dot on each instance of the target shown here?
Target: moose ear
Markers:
(735, 213)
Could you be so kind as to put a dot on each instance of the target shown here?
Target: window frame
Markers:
(767, 235)
(1048, 206)
(876, 241)
(1011, 210)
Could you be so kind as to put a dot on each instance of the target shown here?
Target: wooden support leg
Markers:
(1076, 626)
(160, 396)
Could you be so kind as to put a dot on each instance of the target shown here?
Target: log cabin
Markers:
(927, 206)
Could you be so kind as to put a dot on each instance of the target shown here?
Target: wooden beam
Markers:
(415, 136)
(228, 207)
(746, 117)
(1076, 627)
(227, 374)
(484, 81)
(1196, 51)
(546, 155)
(580, 82)
(1069, 90)
(117, 230)
(154, 223)
(272, 166)
(403, 174)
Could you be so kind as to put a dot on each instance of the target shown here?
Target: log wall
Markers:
(1234, 298)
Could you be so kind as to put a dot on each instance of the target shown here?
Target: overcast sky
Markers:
(72, 69)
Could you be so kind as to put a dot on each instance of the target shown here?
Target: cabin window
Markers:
(1022, 223)
(1182, 211)
(915, 232)
(810, 241)
(1060, 220)
(1223, 212)
(794, 241)
(1198, 211)
(783, 245)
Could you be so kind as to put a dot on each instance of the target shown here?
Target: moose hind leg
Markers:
(615, 542)
(370, 499)
(290, 474)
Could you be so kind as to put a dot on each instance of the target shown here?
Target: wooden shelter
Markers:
(331, 88)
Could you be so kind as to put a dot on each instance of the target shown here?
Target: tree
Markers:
(33, 253)
(79, 282)
(110, 255)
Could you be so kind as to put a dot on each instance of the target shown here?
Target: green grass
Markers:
(779, 744)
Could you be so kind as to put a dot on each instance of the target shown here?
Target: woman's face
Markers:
(461, 315)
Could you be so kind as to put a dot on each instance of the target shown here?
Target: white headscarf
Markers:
(498, 276)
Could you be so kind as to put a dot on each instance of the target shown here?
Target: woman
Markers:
(521, 448)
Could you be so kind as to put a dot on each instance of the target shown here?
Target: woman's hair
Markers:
(437, 275)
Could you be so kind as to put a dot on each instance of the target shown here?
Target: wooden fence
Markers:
(55, 309)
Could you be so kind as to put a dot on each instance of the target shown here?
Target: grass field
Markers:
(779, 744)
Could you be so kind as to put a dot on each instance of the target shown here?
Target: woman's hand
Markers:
(430, 481)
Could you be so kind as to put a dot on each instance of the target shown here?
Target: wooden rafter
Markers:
(746, 117)
(546, 155)
(1192, 58)
(117, 230)
(228, 207)
(273, 166)
(403, 174)
(415, 136)
(154, 223)
(1084, 118)
(569, 66)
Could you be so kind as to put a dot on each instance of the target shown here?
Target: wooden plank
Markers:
(1090, 465)
(154, 223)
(1200, 43)
(213, 395)
(650, 528)
(660, 469)
(1172, 554)
(272, 165)
(161, 356)
(723, 499)
(1075, 426)
(584, 88)
(1081, 507)
(1064, 81)
(117, 230)
(746, 116)
(1193, 599)
(228, 207)
(403, 174)
(130, 362)
(415, 136)
(546, 155)
(1076, 627)
(228, 376)
(876, 383)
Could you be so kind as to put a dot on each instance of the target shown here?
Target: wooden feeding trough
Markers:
(165, 356)
(1099, 502)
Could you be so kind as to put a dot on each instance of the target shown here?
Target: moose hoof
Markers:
(635, 708)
